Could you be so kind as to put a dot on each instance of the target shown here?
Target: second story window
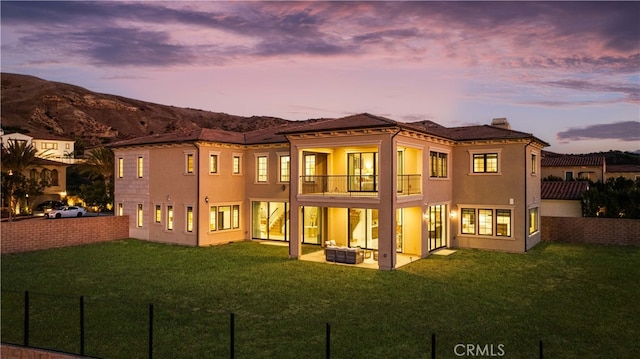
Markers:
(285, 162)
(262, 169)
(189, 163)
(140, 167)
(568, 176)
(485, 163)
(120, 167)
(236, 164)
(534, 163)
(438, 164)
(213, 163)
(309, 167)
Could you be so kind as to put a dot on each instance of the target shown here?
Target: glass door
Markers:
(437, 227)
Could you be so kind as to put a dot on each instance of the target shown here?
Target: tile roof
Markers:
(563, 189)
(623, 168)
(572, 161)
(363, 120)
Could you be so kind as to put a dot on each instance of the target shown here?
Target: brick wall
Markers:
(15, 352)
(36, 234)
(591, 230)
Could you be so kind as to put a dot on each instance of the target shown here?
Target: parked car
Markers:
(47, 205)
(67, 211)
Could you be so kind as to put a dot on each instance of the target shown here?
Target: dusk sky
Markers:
(568, 72)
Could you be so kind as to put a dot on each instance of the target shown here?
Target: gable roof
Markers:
(572, 161)
(567, 190)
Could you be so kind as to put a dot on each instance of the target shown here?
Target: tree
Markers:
(18, 157)
(616, 198)
(99, 166)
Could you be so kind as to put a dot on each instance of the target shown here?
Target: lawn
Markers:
(581, 301)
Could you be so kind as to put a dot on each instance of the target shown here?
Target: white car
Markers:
(67, 211)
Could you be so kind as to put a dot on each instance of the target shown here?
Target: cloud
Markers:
(622, 131)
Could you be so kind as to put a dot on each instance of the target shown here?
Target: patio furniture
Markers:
(344, 255)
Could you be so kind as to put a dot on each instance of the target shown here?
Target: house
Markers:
(562, 198)
(573, 167)
(385, 187)
(631, 172)
(51, 147)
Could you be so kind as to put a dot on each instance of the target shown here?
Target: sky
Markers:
(567, 72)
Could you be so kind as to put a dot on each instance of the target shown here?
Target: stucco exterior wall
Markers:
(561, 208)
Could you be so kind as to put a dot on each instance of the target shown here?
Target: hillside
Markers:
(30, 104)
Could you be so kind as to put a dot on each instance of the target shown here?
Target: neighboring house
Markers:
(631, 172)
(51, 165)
(562, 198)
(361, 181)
(572, 167)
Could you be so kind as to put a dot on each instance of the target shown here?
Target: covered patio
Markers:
(319, 257)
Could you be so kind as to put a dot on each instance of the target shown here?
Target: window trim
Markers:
(475, 210)
(140, 166)
(262, 178)
(281, 156)
(237, 156)
(217, 156)
(189, 218)
(234, 213)
(140, 215)
(534, 158)
(189, 155)
(447, 164)
(157, 214)
(534, 226)
(171, 216)
(472, 155)
(120, 167)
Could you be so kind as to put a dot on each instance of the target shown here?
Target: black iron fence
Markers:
(85, 326)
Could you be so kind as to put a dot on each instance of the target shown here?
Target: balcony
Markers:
(355, 185)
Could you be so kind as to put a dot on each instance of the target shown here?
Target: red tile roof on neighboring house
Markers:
(622, 168)
(572, 161)
(567, 190)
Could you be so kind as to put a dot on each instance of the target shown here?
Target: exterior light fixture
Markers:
(425, 216)
(206, 199)
(168, 197)
(453, 214)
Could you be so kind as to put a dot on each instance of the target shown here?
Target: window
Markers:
(140, 167)
(485, 163)
(468, 221)
(67, 146)
(262, 167)
(362, 170)
(120, 209)
(158, 214)
(485, 222)
(490, 222)
(49, 146)
(438, 164)
(236, 164)
(213, 212)
(54, 177)
(503, 222)
(309, 167)
(169, 218)
(189, 163)
(120, 167)
(568, 176)
(228, 217)
(534, 163)
(189, 219)
(285, 168)
(533, 220)
(139, 216)
(213, 163)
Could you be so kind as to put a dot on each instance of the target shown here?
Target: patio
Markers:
(319, 257)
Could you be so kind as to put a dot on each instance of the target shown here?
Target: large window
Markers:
(363, 170)
(485, 163)
(262, 166)
(438, 164)
(228, 217)
(140, 167)
(486, 222)
(285, 168)
(270, 220)
(533, 220)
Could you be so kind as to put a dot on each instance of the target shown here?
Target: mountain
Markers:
(33, 105)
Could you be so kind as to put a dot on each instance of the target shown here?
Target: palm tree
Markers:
(17, 157)
(99, 163)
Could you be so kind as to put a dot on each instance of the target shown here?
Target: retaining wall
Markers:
(591, 230)
(39, 233)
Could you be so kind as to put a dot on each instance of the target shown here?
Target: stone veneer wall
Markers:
(37, 234)
(591, 230)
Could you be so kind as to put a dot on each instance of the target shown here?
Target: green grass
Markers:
(582, 301)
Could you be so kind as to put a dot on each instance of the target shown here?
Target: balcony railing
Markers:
(355, 185)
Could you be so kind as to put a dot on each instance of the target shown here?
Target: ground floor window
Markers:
(437, 223)
(312, 220)
(486, 221)
(270, 220)
(224, 217)
(533, 220)
(140, 215)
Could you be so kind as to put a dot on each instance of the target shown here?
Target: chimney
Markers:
(501, 122)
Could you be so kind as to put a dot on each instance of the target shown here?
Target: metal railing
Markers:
(356, 185)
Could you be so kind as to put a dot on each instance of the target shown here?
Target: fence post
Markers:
(433, 345)
(328, 344)
(541, 353)
(150, 331)
(26, 319)
(82, 325)
(232, 335)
